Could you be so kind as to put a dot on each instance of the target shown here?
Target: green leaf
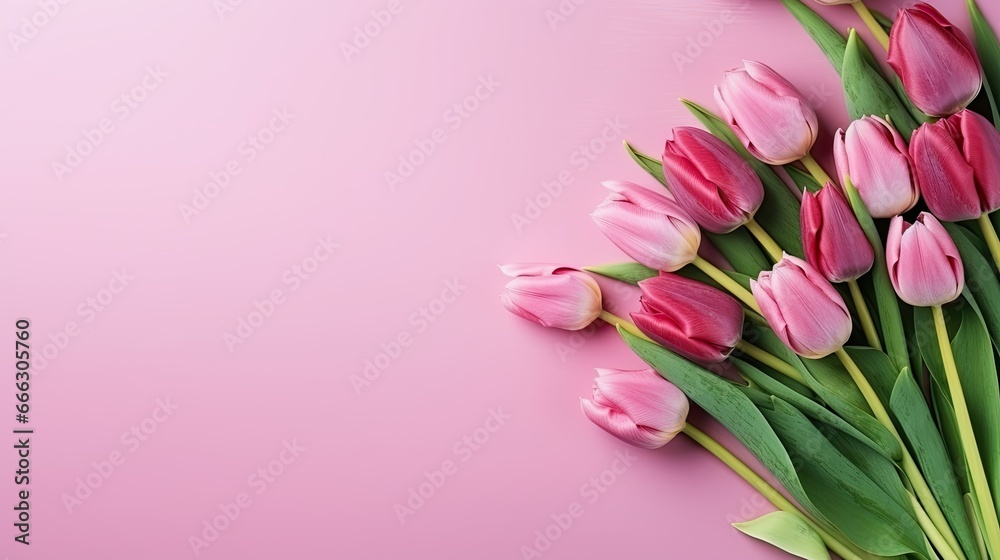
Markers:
(989, 53)
(740, 250)
(980, 279)
(779, 213)
(802, 179)
(867, 91)
(630, 272)
(910, 408)
(826, 37)
(652, 165)
(787, 531)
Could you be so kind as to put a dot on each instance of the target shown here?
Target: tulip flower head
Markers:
(935, 61)
(803, 308)
(649, 227)
(768, 114)
(710, 180)
(876, 158)
(692, 319)
(924, 264)
(957, 161)
(637, 407)
(833, 240)
(552, 296)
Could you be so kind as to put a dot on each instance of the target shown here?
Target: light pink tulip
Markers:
(637, 407)
(832, 238)
(552, 296)
(924, 264)
(935, 61)
(803, 308)
(649, 227)
(710, 180)
(768, 114)
(957, 161)
(692, 319)
(876, 158)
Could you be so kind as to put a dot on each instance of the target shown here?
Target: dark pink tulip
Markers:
(803, 308)
(924, 264)
(692, 319)
(957, 160)
(934, 59)
(552, 296)
(638, 407)
(876, 158)
(710, 180)
(833, 240)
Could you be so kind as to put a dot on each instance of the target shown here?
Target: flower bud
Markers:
(924, 264)
(832, 238)
(552, 296)
(637, 407)
(710, 180)
(876, 158)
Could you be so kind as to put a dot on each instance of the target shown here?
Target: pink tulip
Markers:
(710, 180)
(835, 2)
(772, 118)
(875, 156)
(649, 227)
(552, 296)
(936, 62)
(802, 307)
(957, 161)
(690, 318)
(924, 264)
(833, 240)
(637, 407)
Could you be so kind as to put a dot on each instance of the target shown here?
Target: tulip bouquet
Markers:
(843, 328)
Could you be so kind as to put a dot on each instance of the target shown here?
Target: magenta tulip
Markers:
(876, 158)
(832, 238)
(710, 180)
(692, 319)
(649, 227)
(803, 308)
(637, 407)
(924, 264)
(957, 161)
(936, 62)
(552, 296)
(768, 114)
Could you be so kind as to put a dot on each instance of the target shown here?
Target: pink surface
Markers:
(137, 273)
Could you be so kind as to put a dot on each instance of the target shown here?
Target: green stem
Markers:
(816, 170)
(768, 491)
(723, 279)
(876, 28)
(990, 233)
(871, 334)
(768, 242)
(770, 360)
(612, 319)
(932, 532)
(977, 473)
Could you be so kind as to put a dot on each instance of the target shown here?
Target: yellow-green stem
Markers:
(871, 334)
(876, 28)
(770, 360)
(909, 466)
(768, 491)
(612, 319)
(766, 241)
(990, 233)
(977, 473)
(816, 170)
(932, 532)
(723, 279)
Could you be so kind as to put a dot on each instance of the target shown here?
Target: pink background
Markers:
(322, 174)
